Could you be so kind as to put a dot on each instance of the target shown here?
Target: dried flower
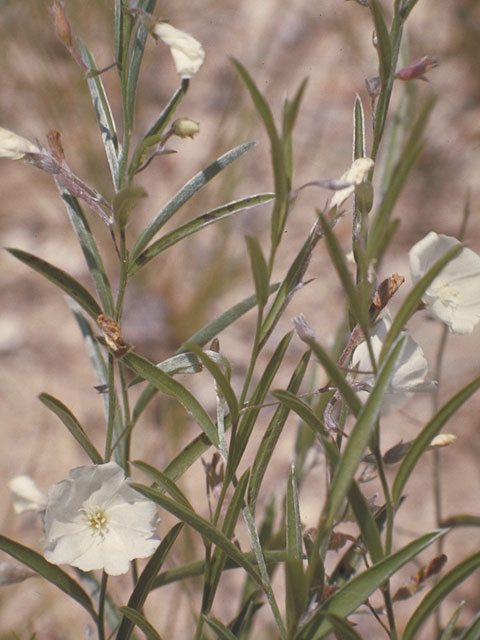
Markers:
(13, 146)
(454, 295)
(355, 175)
(187, 52)
(26, 495)
(418, 69)
(409, 373)
(95, 520)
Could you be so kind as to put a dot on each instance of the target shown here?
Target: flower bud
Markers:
(13, 146)
(364, 197)
(442, 440)
(185, 128)
(417, 69)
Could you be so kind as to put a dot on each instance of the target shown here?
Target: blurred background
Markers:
(280, 42)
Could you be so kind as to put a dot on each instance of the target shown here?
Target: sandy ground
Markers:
(41, 350)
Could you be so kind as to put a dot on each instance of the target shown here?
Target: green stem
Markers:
(111, 407)
(101, 607)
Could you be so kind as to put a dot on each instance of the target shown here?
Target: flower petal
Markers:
(187, 52)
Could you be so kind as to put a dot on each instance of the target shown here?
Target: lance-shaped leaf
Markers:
(191, 227)
(104, 114)
(259, 270)
(438, 593)
(73, 425)
(250, 413)
(207, 530)
(282, 187)
(272, 434)
(290, 284)
(62, 279)
(223, 632)
(289, 112)
(163, 481)
(137, 619)
(296, 588)
(89, 249)
(50, 572)
(184, 194)
(171, 387)
(145, 582)
(219, 557)
(358, 440)
(356, 591)
(383, 44)
(431, 429)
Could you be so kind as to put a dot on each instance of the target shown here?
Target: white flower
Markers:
(409, 373)
(13, 146)
(454, 295)
(355, 175)
(26, 495)
(188, 54)
(95, 520)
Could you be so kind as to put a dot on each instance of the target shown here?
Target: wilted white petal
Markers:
(26, 495)
(454, 295)
(188, 54)
(409, 373)
(13, 146)
(95, 520)
(355, 175)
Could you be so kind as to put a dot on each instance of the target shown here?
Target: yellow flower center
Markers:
(447, 295)
(97, 521)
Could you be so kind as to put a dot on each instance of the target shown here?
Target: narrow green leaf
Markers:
(450, 628)
(228, 528)
(50, 572)
(203, 527)
(103, 112)
(431, 429)
(62, 279)
(272, 434)
(290, 112)
(337, 376)
(164, 482)
(161, 122)
(92, 348)
(216, 326)
(188, 456)
(184, 194)
(259, 270)
(139, 621)
(220, 379)
(90, 250)
(343, 628)
(296, 588)
(410, 152)
(358, 440)
(412, 301)
(291, 283)
(472, 632)
(220, 629)
(251, 411)
(172, 388)
(383, 44)
(438, 593)
(72, 424)
(359, 310)
(282, 187)
(145, 582)
(359, 149)
(356, 591)
(192, 226)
